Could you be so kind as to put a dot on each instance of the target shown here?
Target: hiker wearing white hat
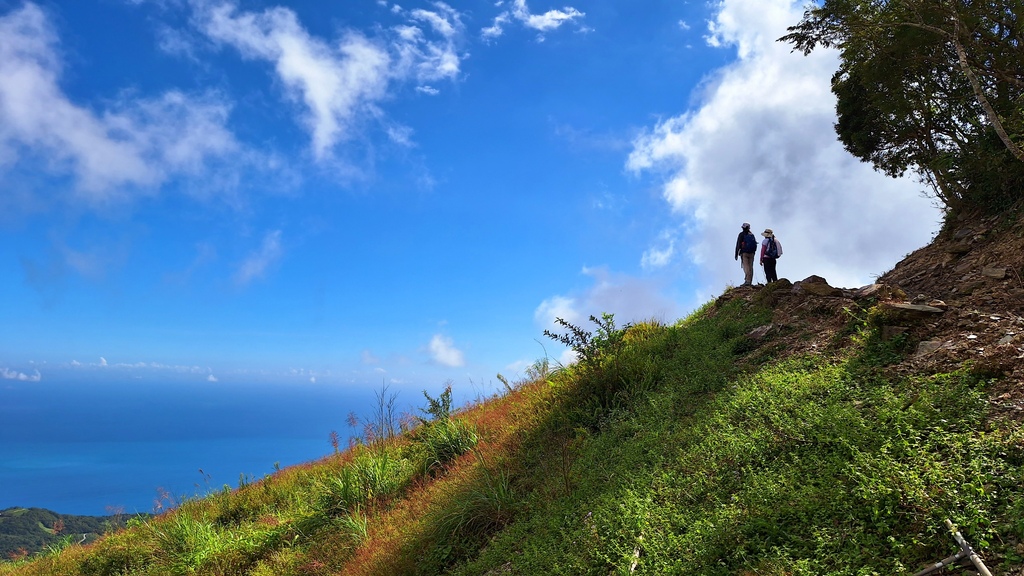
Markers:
(771, 249)
(746, 245)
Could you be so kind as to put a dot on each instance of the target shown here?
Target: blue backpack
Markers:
(749, 243)
(773, 250)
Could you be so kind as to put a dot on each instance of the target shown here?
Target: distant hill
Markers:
(29, 530)
(789, 429)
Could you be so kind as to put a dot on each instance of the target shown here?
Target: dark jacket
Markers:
(739, 243)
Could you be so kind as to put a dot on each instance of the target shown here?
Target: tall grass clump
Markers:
(444, 440)
(441, 438)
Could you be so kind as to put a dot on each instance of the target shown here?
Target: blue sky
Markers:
(363, 191)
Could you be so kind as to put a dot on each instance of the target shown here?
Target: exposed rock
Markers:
(959, 248)
(938, 304)
(872, 290)
(890, 332)
(997, 272)
(760, 332)
(968, 288)
(878, 290)
(1005, 340)
(927, 347)
(963, 267)
(963, 233)
(910, 311)
(818, 286)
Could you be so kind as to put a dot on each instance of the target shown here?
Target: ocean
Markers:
(97, 448)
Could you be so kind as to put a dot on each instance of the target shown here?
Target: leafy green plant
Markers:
(439, 408)
(590, 346)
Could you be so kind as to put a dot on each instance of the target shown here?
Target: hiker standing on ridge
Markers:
(746, 245)
(771, 249)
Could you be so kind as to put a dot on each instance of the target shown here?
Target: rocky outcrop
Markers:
(904, 311)
(817, 286)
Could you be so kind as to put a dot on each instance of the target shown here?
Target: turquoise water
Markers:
(96, 448)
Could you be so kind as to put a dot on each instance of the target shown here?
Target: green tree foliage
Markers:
(935, 87)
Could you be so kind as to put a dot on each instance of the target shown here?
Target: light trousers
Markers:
(747, 259)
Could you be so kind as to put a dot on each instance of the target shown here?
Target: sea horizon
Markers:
(97, 449)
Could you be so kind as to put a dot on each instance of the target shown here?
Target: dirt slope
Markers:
(958, 299)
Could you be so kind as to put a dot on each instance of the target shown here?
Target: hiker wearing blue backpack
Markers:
(746, 245)
(771, 249)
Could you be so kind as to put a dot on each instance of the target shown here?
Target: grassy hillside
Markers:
(774, 431)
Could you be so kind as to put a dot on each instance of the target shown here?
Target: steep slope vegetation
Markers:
(787, 429)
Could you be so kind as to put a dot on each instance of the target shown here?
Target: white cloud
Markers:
(659, 257)
(629, 298)
(333, 83)
(102, 363)
(255, 266)
(401, 135)
(176, 42)
(211, 378)
(568, 357)
(542, 23)
(338, 84)
(563, 307)
(444, 352)
(134, 144)
(760, 147)
(550, 20)
(420, 57)
(8, 374)
(497, 28)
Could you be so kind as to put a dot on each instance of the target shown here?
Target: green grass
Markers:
(814, 465)
(683, 449)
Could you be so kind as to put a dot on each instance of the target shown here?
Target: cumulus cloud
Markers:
(629, 298)
(542, 23)
(338, 84)
(255, 266)
(134, 144)
(443, 351)
(8, 374)
(659, 256)
(760, 147)
(211, 378)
